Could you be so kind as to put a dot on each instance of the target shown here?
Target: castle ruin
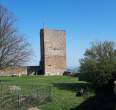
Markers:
(53, 51)
(53, 56)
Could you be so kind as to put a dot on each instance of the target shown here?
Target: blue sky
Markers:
(83, 20)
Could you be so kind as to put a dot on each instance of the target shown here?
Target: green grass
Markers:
(63, 90)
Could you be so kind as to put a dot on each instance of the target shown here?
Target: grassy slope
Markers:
(63, 90)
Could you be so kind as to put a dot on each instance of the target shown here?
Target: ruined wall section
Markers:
(9, 71)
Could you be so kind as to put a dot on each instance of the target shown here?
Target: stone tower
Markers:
(53, 51)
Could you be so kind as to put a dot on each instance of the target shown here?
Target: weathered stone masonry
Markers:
(53, 51)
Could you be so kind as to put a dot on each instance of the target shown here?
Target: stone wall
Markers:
(14, 71)
(53, 51)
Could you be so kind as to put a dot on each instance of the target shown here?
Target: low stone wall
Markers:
(18, 71)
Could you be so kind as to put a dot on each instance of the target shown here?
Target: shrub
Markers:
(99, 63)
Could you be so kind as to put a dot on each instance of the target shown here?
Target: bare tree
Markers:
(14, 50)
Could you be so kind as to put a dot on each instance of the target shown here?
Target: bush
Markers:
(99, 64)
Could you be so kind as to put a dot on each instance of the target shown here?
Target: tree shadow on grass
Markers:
(70, 86)
(103, 100)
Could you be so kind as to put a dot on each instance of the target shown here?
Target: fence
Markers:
(21, 97)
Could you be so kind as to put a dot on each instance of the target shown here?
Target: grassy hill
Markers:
(63, 90)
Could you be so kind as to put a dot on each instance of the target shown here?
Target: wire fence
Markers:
(21, 97)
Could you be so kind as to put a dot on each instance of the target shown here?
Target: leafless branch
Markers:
(14, 50)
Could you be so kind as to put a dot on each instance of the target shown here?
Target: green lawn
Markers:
(63, 90)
